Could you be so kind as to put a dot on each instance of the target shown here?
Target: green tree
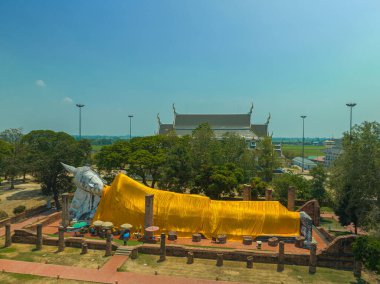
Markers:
(218, 181)
(113, 157)
(355, 176)
(5, 152)
(177, 170)
(47, 149)
(267, 159)
(318, 190)
(13, 161)
(147, 158)
(282, 183)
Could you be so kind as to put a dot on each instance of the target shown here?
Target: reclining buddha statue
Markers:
(124, 202)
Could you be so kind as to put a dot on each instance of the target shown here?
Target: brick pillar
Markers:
(163, 247)
(8, 238)
(249, 261)
(268, 194)
(65, 210)
(281, 256)
(313, 259)
(247, 192)
(61, 238)
(219, 259)
(39, 237)
(190, 257)
(148, 215)
(109, 244)
(291, 198)
(84, 247)
(357, 268)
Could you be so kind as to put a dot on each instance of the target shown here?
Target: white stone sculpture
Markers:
(88, 193)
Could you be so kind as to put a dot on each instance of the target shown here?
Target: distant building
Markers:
(240, 124)
(319, 160)
(307, 164)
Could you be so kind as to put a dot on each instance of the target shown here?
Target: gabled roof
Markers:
(260, 130)
(165, 128)
(216, 121)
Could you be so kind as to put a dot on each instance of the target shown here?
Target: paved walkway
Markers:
(28, 221)
(107, 274)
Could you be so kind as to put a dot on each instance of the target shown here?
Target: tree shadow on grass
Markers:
(24, 195)
(359, 281)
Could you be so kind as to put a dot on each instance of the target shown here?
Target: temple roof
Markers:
(216, 121)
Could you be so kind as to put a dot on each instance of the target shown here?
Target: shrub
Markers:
(367, 249)
(19, 209)
(3, 215)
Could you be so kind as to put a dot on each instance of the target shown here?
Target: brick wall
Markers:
(313, 210)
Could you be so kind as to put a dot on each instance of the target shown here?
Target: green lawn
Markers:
(14, 278)
(48, 254)
(296, 150)
(329, 223)
(237, 271)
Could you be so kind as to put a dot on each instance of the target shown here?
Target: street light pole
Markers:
(303, 140)
(80, 119)
(351, 105)
(130, 126)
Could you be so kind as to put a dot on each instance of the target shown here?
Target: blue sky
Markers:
(138, 57)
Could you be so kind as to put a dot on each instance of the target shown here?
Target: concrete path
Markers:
(107, 274)
(28, 221)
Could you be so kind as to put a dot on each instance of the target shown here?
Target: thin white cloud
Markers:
(40, 83)
(67, 100)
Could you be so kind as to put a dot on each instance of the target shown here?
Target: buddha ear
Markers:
(70, 169)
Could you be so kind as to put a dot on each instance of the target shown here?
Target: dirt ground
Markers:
(28, 194)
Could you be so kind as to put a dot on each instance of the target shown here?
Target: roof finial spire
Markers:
(251, 109)
(158, 119)
(174, 109)
(268, 119)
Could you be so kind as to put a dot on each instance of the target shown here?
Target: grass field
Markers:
(237, 271)
(296, 150)
(48, 254)
(14, 278)
(27, 194)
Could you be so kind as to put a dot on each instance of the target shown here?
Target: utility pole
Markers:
(130, 126)
(80, 119)
(351, 105)
(303, 140)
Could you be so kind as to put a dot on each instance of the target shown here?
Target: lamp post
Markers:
(303, 140)
(130, 126)
(351, 105)
(80, 119)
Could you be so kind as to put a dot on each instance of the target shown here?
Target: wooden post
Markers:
(39, 237)
(134, 254)
(219, 259)
(313, 259)
(190, 257)
(61, 238)
(84, 247)
(148, 215)
(8, 238)
(249, 261)
(281, 256)
(291, 198)
(163, 247)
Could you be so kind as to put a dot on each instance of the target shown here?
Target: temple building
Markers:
(240, 124)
